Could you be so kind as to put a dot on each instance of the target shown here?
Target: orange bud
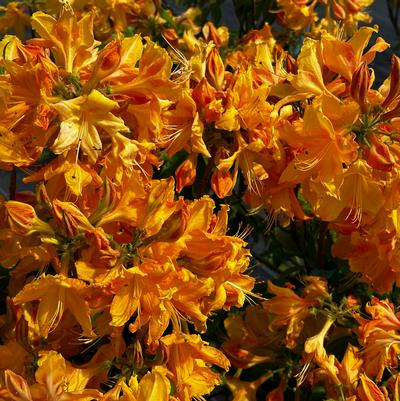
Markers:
(17, 386)
(339, 11)
(395, 112)
(291, 64)
(107, 62)
(174, 226)
(353, 6)
(222, 183)
(170, 34)
(203, 93)
(137, 354)
(20, 216)
(394, 90)
(70, 218)
(22, 219)
(211, 33)
(360, 85)
(394, 386)
(21, 334)
(215, 70)
(185, 174)
(368, 391)
(379, 155)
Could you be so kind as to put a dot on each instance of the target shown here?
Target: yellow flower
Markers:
(80, 120)
(56, 294)
(154, 386)
(189, 360)
(72, 41)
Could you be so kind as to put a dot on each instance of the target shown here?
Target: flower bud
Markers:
(353, 6)
(174, 226)
(219, 36)
(291, 64)
(21, 334)
(215, 70)
(107, 62)
(222, 183)
(70, 218)
(368, 391)
(137, 354)
(339, 11)
(360, 84)
(204, 93)
(22, 219)
(17, 386)
(185, 174)
(394, 90)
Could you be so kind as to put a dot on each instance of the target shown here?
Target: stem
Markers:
(322, 245)
(342, 396)
(297, 394)
(185, 327)
(13, 184)
(393, 15)
(205, 179)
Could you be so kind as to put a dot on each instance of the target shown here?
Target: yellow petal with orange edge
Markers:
(201, 211)
(124, 304)
(154, 387)
(132, 49)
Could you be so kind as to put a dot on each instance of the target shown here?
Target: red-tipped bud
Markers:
(204, 93)
(353, 6)
(70, 218)
(360, 85)
(218, 36)
(395, 112)
(174, 226)
(394, 90)
(170, 34)
(291, 64)
(107, 62)
(185, 174)
(17, 386)
(222, 183)
(339, 11)
(368, 391)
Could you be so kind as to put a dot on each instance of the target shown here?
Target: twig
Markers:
(12, 189)
(394, 15)
(322, 245)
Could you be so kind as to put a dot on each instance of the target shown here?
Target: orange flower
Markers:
(57, 294)
(72, 41)
(189, 361)
(290, 311)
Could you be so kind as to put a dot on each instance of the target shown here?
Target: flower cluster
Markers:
(140, 131)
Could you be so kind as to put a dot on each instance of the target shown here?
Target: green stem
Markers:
(341, 392)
